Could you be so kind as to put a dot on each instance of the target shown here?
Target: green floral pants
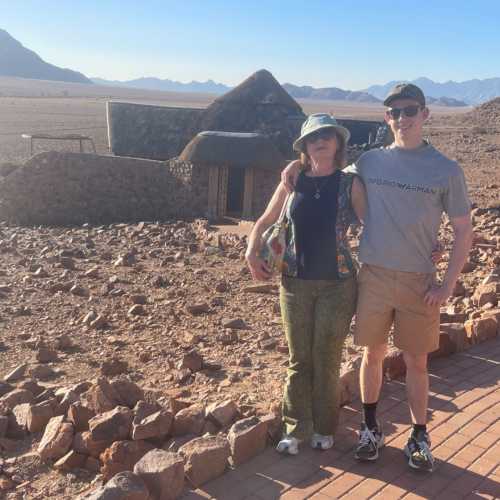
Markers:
(316, 316)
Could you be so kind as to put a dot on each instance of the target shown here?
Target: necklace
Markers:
(319, 187)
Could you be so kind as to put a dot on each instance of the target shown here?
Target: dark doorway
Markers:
(235, 191)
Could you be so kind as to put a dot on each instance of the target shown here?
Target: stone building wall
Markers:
(265, 183)
(72, 188)
(152, 132)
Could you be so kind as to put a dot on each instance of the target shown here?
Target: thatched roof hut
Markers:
(232, 149)
(258, 104)
(242, 170)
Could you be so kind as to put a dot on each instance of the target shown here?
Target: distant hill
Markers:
(471, 92)
(18, 61)
(328, 94)
(445, 101)
(151, 83)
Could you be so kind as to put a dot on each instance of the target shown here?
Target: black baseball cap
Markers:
(405, 91)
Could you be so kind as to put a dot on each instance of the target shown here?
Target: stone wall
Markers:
(72, 188)
(265, 183)
(152, 132)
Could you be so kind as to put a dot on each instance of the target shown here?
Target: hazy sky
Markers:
(345, 43)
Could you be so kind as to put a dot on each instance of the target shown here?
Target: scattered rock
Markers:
(45, 355)
(79, 415)
(114, 425)
(198, 309)
(163, 473)
(192, 361)
(17, 373)
(205, 458)
(56, 440)
(156, 425)
(394, 364)
(247, 438)
(114, 366)
(137, 310)
(222, 413)
(122, 456)
(189, 420)
(236, 324)
(124, 486)
(16, 397)
(72, 460)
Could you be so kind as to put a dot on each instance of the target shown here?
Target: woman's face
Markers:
(322, 144)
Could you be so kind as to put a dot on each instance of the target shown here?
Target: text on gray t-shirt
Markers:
(408, 190)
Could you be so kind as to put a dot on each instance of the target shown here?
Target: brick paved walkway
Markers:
(464, 423)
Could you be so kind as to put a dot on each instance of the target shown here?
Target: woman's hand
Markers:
(258, 268)
(289, 175)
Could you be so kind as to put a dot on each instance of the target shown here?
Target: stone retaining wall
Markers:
(152, 132)
(72, 188)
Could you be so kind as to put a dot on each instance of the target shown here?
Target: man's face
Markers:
(404, 127)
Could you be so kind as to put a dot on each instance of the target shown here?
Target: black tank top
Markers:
(315, 219)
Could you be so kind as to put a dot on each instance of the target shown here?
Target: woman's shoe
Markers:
(321, 442)
(288, 445)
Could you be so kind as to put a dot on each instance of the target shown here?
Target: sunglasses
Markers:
(325, 134)
(408, 111)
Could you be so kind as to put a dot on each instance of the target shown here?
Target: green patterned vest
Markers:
(347, 265)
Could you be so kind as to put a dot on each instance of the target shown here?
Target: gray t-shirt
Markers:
(408, 190)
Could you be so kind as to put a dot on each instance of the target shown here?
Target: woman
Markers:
(318, 288)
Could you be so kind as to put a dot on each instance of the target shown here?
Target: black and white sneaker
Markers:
(418, 451)
(370, 441)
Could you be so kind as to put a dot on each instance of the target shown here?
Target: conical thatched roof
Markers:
(259, 88)
(232, 149)
(258, 104)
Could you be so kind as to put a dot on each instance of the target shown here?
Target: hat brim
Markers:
(298, 145)
(392, 98)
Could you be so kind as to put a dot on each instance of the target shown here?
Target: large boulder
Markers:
(56, 440)
(206, 458)
(114, 425)
(163, 473)
(247, 438)
(156, 425)
(122, 456)
(124, 486)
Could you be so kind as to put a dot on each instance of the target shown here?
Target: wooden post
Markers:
(222, 198)
(213, 191)
(248, 193)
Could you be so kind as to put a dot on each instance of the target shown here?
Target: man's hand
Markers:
(258, 268)
(437, 295)
(289, 175)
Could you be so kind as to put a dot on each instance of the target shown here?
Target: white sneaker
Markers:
(319, 441)
(288, 445)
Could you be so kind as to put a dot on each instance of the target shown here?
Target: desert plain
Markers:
(169, 306)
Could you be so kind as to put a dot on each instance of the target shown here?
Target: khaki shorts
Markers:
(385, 297)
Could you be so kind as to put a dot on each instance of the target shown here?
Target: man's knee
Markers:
(416, 363)
(374, 355)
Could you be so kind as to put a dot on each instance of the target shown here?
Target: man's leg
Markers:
(416, 334)
(370, 377)
(374, 316)
(417, 386)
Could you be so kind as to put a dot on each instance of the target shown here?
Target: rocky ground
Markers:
(155, 333)
(171, 308)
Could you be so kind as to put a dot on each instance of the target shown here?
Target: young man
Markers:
(409, 185)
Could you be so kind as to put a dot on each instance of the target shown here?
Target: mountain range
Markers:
(471, 92)
(16, 60)
(152, 83)
(19, 61)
